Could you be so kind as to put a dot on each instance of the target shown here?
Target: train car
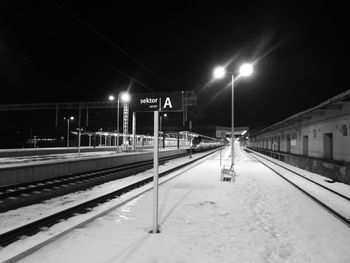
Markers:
(201, 143)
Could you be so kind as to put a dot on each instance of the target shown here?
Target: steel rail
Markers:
(290, 170)
(27, 188)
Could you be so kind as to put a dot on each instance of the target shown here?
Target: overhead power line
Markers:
(121, 50)
(96, 57)
(85, 24)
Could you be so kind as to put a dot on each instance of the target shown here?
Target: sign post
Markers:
(155, 172)
(157, 102)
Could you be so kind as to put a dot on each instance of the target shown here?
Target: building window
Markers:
(344, 130)
(294, 135)
(315, 133)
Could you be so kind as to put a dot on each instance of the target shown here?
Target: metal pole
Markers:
(56, 122)
(178, 140)
(160, 126)
(117, 123)
(155, 172)
(190, 139)
(87, 116)
(79, 118)
(68, 132)
(133, 130)
(79, 132)
(233, 123)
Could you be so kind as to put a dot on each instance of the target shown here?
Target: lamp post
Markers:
(161, 126)
(220, 72)
(112, 98)
(68, 118)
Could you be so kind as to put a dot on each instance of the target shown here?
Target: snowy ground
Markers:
(257, 218)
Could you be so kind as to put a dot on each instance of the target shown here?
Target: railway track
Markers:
(15, 196)
(331, 205)
(36, 226)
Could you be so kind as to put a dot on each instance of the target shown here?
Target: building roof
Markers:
(330, 104)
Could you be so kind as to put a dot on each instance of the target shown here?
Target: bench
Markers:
(227, 174)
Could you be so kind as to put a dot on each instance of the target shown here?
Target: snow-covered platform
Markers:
(17, 170)
(256, 218)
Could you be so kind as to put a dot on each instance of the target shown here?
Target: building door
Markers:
(306, 145)
(279, 143)
(288, 143)
(328, 146)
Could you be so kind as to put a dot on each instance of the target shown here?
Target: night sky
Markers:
(68, 51)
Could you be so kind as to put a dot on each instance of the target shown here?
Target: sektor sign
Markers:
(169, 101)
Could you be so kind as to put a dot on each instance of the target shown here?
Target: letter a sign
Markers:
(167, 103)
(160, 101)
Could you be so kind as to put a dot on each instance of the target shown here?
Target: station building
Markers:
(317, 139)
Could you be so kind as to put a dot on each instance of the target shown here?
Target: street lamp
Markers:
(66, 118)
(220, 72)
(125, 97)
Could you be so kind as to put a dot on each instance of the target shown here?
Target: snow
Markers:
(257, 218)
(9, 162)
(18, 217)
(23, 161)
(337, 203)
(341, 188)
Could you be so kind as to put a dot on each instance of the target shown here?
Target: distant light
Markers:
(219, 72)
(72, 118)
(246, 70)
(111, 97)
(125, 97)
(165, 115)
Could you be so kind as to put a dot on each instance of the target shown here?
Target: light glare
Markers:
(219, 72)
(111, 97)
(246, 70)
(125, 97)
